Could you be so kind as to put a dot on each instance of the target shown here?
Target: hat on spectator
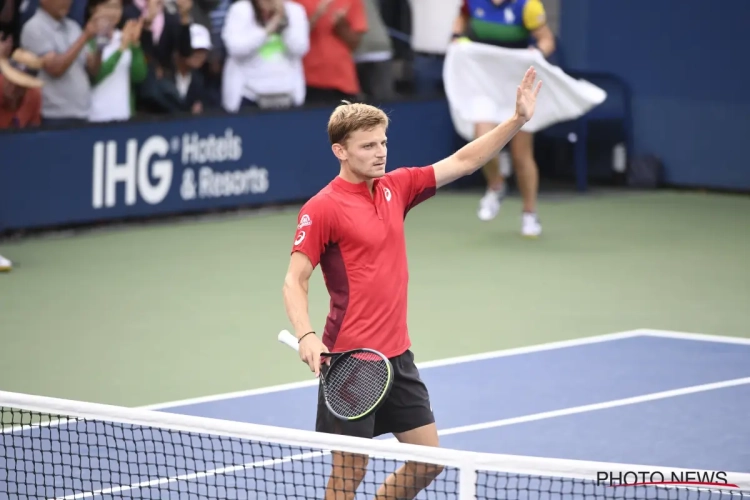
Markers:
(22, 69)
(200, 38)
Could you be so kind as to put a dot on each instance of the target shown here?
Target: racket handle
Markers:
(285, 337)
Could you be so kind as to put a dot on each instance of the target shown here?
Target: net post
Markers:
(467, 481)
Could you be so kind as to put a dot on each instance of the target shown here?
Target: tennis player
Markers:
(354, 229)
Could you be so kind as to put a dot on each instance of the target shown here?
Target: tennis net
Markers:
(54, 448)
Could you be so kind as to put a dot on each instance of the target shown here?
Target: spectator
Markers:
(432, 23)
(123, 63)
(188, 78)
(336, 27)
(68, 63)
(216, 57)
(163, 34)
(373, 57)
(21, 97)
(265, 41)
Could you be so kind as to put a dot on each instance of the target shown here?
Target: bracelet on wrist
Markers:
(305, 335)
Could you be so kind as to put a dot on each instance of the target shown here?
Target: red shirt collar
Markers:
(352, 187)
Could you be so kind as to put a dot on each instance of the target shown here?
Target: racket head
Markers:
(356, 383)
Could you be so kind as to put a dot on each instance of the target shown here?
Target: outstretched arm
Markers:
(474, 155)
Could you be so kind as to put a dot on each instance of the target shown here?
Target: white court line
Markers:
(692, 336)
(654, 396)
(444, 432)
(516, 351)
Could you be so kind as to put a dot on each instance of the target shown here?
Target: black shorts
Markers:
(407, 406)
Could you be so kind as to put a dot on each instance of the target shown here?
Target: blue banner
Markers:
(115, 171)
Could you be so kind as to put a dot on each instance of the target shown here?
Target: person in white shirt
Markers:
(432, 24)
(265, 42)
(123, 63)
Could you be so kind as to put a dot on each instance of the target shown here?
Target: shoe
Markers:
(5, 264)
(530, 225)
(489, 205)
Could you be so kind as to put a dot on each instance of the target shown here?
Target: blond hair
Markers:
(350, 117)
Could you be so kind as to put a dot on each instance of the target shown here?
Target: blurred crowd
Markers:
(65, 62)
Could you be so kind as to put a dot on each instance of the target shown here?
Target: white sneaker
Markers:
(5, 264)
(530, 226)
(489, 205)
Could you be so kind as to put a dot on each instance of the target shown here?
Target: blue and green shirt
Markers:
(507, 23)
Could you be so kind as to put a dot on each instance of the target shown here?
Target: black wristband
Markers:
(305, 335)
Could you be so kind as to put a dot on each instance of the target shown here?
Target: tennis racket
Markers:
(355, 383)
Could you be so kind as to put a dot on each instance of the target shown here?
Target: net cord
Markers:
(467, 462)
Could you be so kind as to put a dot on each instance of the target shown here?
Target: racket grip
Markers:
(285, 337)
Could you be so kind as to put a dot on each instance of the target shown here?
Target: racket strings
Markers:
(356, 383)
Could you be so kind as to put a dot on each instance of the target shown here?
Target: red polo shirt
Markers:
(359, 242)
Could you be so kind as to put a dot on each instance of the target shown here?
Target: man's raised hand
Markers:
(526, 95)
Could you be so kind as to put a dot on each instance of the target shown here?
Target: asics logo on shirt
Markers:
(304, 221)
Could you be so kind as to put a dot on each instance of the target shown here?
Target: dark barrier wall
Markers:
(687, 64)
(140, 169)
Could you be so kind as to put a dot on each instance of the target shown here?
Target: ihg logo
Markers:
(145, 171)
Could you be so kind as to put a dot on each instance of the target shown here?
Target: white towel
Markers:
(481, 80)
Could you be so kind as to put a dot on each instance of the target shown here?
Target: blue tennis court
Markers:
(661, 399)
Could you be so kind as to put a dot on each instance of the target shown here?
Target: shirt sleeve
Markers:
(413, 185)
(534, 16)
(34, 40)
(315, 223)
(241, 34)
(297, 35)
(357, 17)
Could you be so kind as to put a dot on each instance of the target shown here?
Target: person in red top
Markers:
(336, 28)
(354, 230)
(20, 91)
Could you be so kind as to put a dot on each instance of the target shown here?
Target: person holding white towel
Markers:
(513, 24)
